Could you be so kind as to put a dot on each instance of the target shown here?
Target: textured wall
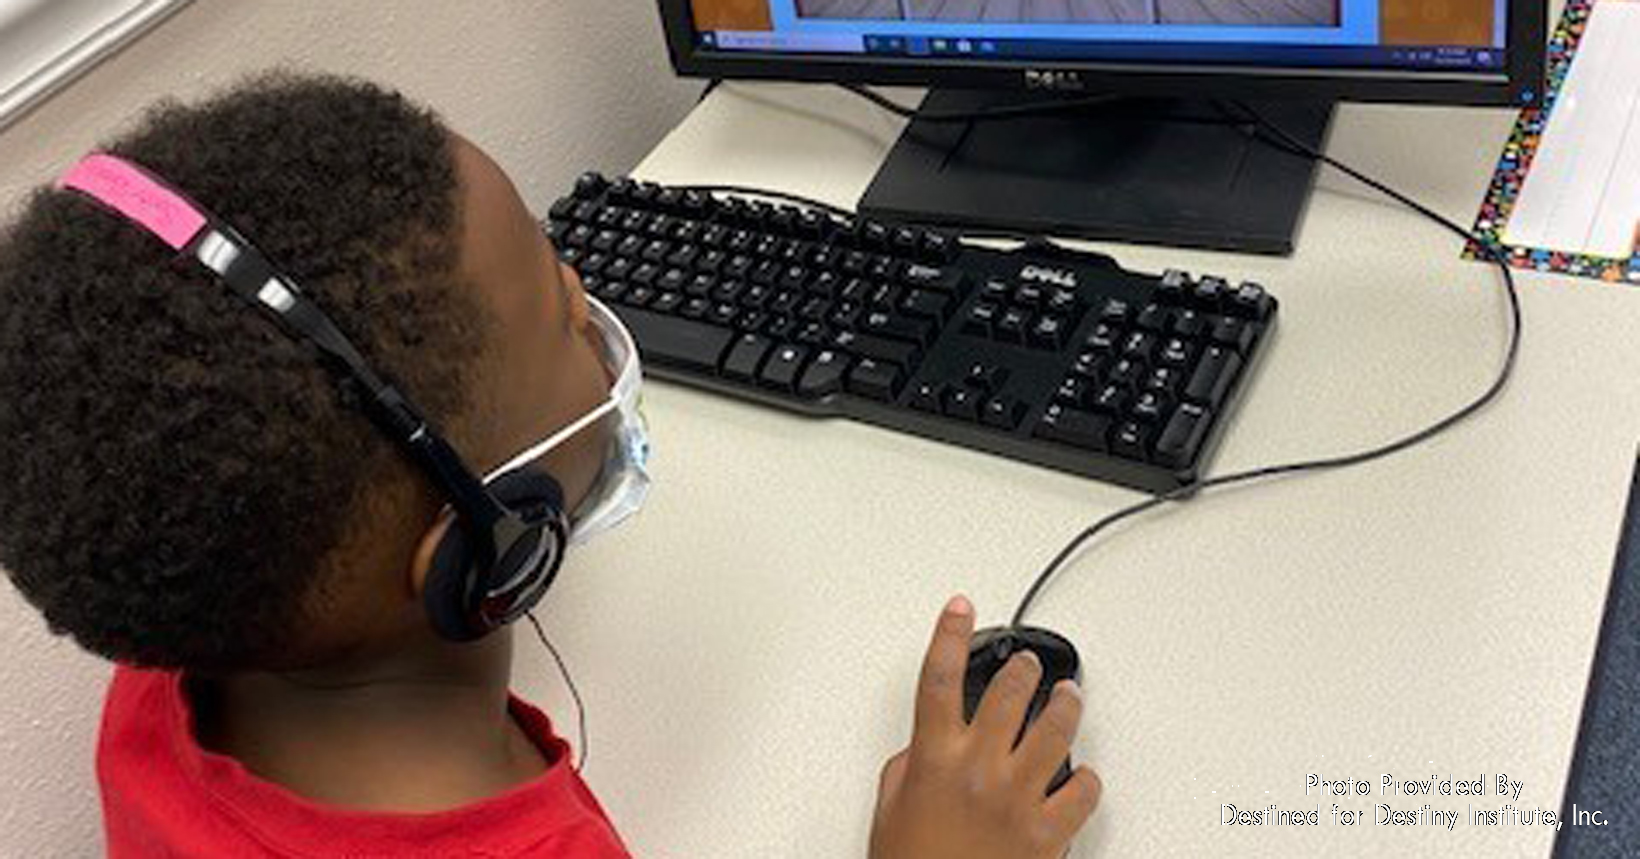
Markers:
(549, 87)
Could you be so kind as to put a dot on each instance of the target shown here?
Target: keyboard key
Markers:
(981, 317)
(1088, 365)
(986, 378)
(766, 273)
(939, 247)
(1127, 372)
(877, 380)
(1029, 295)
(724, 313)
(1062, 302)
(1013, 324)
(1072, 392)
(674, 279)
(926, 303)
(629, 246)
(1002, 412)
(824, 375)
(746, 357)
(996, 291)
(1173, 287)
(1213, 377)
(1150, 407)
(1139, 346)
(1233, 333)
(656, 251)
(1111, 399)
(646, 274)
(639, 295)
(784, 301)
(1116, 312)
(780, 326)
(1209, 292)
(1176, 353)
(1102, 339)
(1153, 318)
(1131, 440)
(883, 296)
(1183, 438)
(845, 315)
(783, 366)
(795, 277)
(825, 284)
(666, 302)
(869, 346)
(1189, 323)
(701, 285)
(810, 333)
(1048, 332)
(1251, 301)
(962, 403)
(1163, 380)
(815, 309)
(927, 396)
(1075, 427)
(897, 327)
(674, 341)
(933, 277)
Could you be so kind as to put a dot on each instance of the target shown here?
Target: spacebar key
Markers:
(677, 342)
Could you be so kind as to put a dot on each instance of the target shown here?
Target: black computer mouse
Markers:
(991, 648)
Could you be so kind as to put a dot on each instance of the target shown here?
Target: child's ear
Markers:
(422, 565)
(579, 312)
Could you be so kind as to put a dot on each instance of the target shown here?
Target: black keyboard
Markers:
(1043, 354)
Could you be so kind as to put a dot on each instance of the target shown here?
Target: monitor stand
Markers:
(1154, 171)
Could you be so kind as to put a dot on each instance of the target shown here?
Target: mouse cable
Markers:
(1272, 135)
(574, 692)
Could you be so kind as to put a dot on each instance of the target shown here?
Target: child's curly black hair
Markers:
(176, 474)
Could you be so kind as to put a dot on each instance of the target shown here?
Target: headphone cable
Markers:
(574, 692)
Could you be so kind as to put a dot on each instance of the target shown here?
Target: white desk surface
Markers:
(748, 645)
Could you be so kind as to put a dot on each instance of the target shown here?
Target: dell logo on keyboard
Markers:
(1058, 81)
(1055, 276)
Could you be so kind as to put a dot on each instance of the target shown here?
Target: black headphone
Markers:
(504, 550)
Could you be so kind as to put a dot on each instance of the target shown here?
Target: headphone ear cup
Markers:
(533, 494)
(453, 586)
(445, 593)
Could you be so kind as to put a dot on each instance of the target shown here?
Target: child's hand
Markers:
(964, 791)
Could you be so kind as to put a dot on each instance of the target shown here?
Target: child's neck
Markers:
(426, 730)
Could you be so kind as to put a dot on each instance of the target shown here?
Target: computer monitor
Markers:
(1169, 162)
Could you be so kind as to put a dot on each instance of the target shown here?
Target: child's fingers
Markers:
(1049, 738)
(1073, 804)
(1002, 710)
(939, 691)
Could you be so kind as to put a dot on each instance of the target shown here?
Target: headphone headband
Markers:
(495, 528)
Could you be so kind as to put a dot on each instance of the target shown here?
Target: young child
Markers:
(298, 412)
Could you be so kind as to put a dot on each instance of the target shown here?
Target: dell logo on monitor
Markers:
(1058, 81)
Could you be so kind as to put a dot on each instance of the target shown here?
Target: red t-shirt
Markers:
(166, 796)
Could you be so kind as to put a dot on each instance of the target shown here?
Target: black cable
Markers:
(575, 693)
(1016, 111)
(711, 86)
(1277, 138)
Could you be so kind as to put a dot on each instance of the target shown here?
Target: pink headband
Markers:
(125, 188)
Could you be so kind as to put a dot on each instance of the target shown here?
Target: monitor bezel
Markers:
(1521, 83)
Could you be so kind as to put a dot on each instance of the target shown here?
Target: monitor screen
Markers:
(1472, 40)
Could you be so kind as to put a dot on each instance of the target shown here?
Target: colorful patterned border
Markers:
(1517, 162)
